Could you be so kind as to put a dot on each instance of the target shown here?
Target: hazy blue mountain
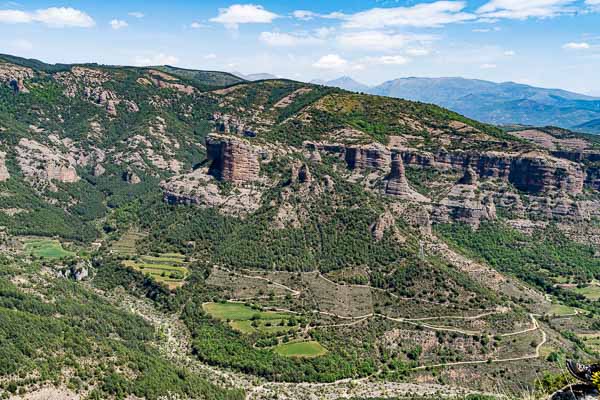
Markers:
(255, 77)
(498, 103)
(346, 83)
(592, 126)
(495, 103)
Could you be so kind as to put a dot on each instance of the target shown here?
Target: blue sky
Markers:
(550, 43)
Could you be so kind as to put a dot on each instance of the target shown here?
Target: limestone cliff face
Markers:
(41, 164)
(232, 159)
(397, 184)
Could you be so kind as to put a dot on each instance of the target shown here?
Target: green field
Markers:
(170, 269)
(591, 292)
(248, 320)
(240, 312)
(559, 310)
(301, 349)
(47, 248)
(274, 326)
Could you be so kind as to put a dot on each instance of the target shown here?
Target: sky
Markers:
(547, 43)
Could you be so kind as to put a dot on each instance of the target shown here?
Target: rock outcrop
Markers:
(232, 159)
(397, 184)
(372, 156)
(41, 164)
(131, 177)
(15, 77)
(4, 175)
(198, 188)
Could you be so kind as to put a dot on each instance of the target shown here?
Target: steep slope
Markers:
(304, 233)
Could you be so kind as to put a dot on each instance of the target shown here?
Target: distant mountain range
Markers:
(255, 77)
(495, 103)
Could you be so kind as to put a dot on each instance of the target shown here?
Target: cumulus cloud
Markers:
(416, 52)
(379, 41)
(117, 24)
(55, 17)
(423, 15)
(331, 62)
(519, 9)
(576, 46)
(510, 53)
(278, 39)
(155, 59)
(488, 66)
(136, 14)
(210, 56)
(237, 14)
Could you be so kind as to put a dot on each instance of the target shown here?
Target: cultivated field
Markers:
(170, 269)
(46, 248)
(301, 349)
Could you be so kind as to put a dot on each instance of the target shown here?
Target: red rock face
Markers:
(233, 160)
(397, 183)
(365, 157)
(530, 173)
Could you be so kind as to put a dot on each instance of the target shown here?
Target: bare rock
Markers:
(372, 156)
(200, 189)
(131, 177)
(232, 159)
(4, 175)
(470, 177)
(15, 76)
(99, 170)
(384, 223)
(397, 184)
(42, 164)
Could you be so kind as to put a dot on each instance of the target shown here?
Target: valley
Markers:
(169, 233)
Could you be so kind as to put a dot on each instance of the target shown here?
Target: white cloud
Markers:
(324, 32)
(520, 9)
(592, 2)
(332, 62)
(576, 46)
(117, 24)
(15, 17)
(434, 14)
(156, 59)
(55, 17)
(379, 41)
(136, 14)
(510, 53)
(210, 56)
(481, 30)
(387, 60)
(278, 39)
(306, 15)
(197, 25)
(238, 14)
(488, 66)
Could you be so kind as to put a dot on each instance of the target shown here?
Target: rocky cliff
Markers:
(232, 159)
(42, 165)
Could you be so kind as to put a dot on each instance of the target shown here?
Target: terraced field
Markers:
(126, 245)
(170, 269)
